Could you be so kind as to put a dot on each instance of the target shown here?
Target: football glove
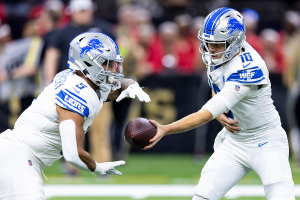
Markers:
(132, 91)
(108, 168)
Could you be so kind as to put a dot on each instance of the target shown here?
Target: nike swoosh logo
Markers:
(261, 144)
(76, 91)
(244, 66)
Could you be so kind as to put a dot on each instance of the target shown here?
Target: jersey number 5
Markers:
(81, 86)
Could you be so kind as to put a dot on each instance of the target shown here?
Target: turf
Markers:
(150, 198)
(147, 169)
(151, 169)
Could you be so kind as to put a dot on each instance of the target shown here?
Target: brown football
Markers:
(139, 131)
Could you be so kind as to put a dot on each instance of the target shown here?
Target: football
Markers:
(139, 131)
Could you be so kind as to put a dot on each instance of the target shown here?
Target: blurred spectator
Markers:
(290, 39)
(48, 22)
(58, 7)
(168, 33)
(82, 20)
(5, 36)
(142, 16)
(142, 53)
(126, 20)
(50, 16)
(199, 65)
(251, 18)
(136, 37)
(126, 35)
(184, 45)
(272, 51)
(18, 66)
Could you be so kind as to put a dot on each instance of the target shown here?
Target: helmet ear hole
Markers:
(87, 64)
(227, 45)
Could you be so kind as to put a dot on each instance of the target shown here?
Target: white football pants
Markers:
(20, 175)
(268, 157)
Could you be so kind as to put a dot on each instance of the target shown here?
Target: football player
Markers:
(253, 138)
(59, 118)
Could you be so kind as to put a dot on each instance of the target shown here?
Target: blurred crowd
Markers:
(35, 37)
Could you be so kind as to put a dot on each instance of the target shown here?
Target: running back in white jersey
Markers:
(255, 113)
(36, 130)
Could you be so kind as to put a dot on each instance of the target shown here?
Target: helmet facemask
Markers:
(229, 51)
(97, 56)
(110, 74)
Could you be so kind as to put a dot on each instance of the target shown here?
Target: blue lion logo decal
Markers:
(233, 25)
(95, 44)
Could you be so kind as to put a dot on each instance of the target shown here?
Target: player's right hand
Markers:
(108, 168)
(160, 132)
(229, 124)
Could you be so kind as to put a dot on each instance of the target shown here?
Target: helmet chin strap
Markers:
(104, 91)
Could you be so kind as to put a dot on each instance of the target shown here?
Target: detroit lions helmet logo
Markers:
(95, 44)
(233, 25)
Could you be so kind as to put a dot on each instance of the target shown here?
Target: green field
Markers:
(151, 198)
(151, 169)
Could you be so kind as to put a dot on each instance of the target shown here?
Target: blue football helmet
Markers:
(97, 56)
(222, 26)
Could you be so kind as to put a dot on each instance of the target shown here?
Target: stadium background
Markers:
(157, 39)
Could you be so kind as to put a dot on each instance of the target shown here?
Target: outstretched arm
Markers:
(220, 103)
(72, 139)
(129, 88)
(185, 124)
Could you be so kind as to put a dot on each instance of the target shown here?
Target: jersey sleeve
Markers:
(249, 76)
(229, 96)
(75, 98)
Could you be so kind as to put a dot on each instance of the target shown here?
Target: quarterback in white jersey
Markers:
(59, 118)
(252, 137)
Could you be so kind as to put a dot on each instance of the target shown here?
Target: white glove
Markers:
(132, 91)
(108, 168)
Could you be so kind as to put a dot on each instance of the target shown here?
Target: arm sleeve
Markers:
(230, 95)
(69, 144)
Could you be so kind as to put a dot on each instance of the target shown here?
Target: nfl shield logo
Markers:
(29, 163)
(237, 88)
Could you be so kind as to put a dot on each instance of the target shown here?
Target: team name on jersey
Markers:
(72, 102)
(75, 103)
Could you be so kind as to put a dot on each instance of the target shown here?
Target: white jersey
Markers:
(36, 130)
(255, 113)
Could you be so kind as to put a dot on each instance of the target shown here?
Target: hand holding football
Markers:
(139, 131)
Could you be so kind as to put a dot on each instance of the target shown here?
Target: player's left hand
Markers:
(229, 124)
(132, 91)
(160, 132)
